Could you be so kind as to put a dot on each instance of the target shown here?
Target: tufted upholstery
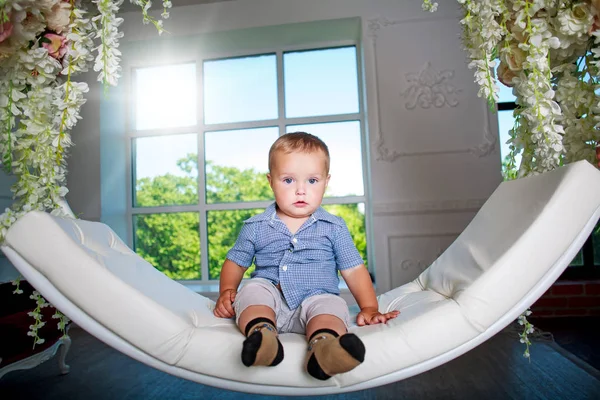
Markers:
(512, 251)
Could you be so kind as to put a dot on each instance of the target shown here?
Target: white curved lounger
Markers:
(517, 245)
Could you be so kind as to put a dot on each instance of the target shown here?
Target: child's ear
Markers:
(327, 180)
(269, 179)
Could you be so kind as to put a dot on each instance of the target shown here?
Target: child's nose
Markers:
(300, 189)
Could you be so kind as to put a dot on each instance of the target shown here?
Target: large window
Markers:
(200, 133)
(586, 265)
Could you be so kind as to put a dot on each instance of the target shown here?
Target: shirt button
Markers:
(295, 240)
(284, 268)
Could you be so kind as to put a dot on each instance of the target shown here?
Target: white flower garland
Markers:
(43, 45)
(549, 52)
(539, 132)
(538, 43)
(527, 330)
(107, 61)
(36, 314)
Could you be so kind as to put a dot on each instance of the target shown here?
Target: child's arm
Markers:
(361, 287)
(231, 276)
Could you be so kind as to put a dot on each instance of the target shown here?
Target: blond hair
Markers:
(301, 142)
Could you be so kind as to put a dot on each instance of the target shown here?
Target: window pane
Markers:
(170, 242)
(165, 97)
(237, 164)
(343, 141)
(505, 124)
(578, 260)
(240, 89)
(354, 215)
(320, 82)
(223, 230)
(166, 170)
(505, 94)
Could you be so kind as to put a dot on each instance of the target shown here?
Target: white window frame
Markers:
(205, 284)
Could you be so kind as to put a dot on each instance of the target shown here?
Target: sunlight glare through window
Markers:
(165, 97)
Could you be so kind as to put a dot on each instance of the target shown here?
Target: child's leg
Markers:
(254, 306)
(331, 350)
(325, 321)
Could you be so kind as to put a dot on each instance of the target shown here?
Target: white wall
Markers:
(83, 162)
(433, 160)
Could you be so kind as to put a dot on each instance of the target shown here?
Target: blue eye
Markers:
(312, 181)
(288, 180)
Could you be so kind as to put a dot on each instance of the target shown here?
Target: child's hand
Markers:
(371, 316)
(224, 307)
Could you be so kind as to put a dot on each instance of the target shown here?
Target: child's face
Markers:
(298, 181)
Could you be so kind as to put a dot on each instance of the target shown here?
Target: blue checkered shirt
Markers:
(305, 263)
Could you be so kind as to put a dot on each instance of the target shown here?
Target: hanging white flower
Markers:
(549, 53)
(44, 44)
(575, 20)
(107, 60)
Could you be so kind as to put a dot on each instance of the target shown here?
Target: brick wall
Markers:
(569, 299)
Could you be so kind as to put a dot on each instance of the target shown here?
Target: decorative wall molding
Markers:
(430, 88)
(427, 207)
(414, 263)
(374, 25)
(489, 144)
(421, 265)
(384, 152)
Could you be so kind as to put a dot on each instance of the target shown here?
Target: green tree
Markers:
(170, 241)
(509, 170)
(224, 185)
(355, 220)
(223, 228)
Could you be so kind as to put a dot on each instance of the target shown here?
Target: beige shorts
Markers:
(261, 292)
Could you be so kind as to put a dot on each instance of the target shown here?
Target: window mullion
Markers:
(165, 209)
(365, 158)
(130, 116)
(344, 200)
(203, 228)
(202, 209)
(323, 119)
(280, 93)
(130, 168)
(248, 205)
(200, 128)
(507, 106)
(179, 130)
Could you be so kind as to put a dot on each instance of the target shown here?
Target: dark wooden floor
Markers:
(494, 370)
(577, 335)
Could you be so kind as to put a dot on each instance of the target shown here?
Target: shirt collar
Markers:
(319, 214)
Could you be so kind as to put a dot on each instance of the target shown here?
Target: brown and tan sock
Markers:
(262, 347)
(330, 354)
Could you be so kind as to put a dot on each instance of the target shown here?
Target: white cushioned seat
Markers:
(520, 241)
